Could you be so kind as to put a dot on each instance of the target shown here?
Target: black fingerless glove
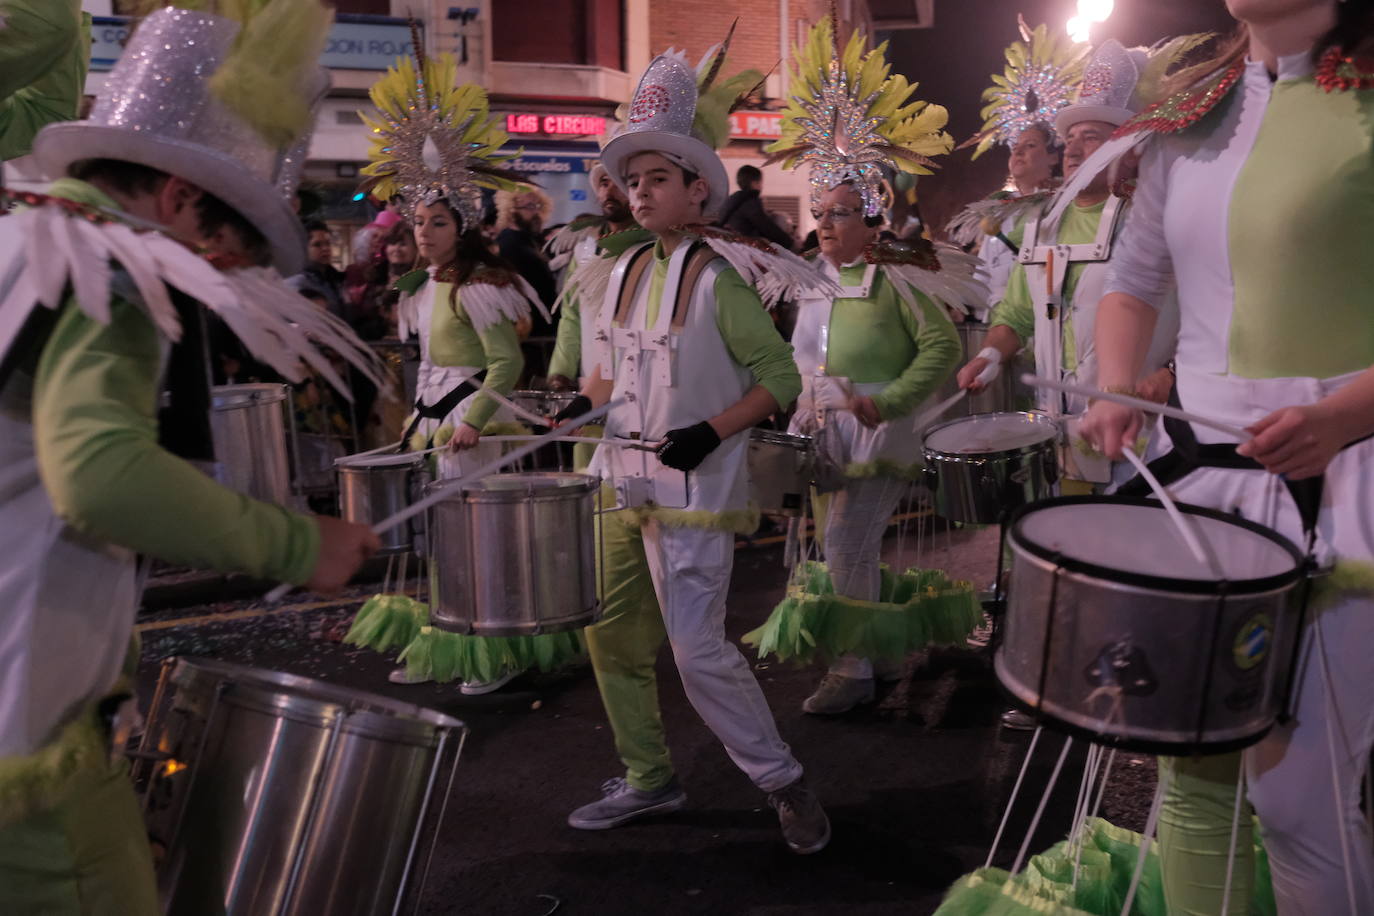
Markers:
(580, 405)
(687, 446)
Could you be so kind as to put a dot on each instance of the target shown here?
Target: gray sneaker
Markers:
(621, 803)
(838, 694)
(804, 824)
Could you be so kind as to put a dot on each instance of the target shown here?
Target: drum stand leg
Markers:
(416, 838)
(1235, 829)
(1040, 809)
(1146, 836)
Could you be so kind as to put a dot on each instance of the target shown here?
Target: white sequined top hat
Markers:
(1108, 90)
(160, 112)
(660, 120)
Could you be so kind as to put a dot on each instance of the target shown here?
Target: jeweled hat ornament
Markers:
(1042, 73)
(852, 117)
(1108, 89)
(433, 139)
(222, 95)
(683, 113)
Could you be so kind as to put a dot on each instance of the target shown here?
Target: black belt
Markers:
(444, 406)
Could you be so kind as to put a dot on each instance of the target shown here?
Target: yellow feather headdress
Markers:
(851, 116)
(1042, 74)
(433, 139)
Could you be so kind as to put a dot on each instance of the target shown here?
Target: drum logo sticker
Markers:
(1124, 667)
(1252, 642)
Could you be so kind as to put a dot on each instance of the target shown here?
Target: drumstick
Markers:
(501, 399)
(1138, 403)
(491, 467)
(935, 412)
(1203, 555)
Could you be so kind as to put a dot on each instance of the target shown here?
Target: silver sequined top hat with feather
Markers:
(1107, 92)
(159, 112)
(659, 120)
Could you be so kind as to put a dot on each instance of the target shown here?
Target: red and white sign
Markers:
(756, 125)
(558, 124)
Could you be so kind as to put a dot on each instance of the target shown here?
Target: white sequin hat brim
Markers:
(699, 157)
(1076, 114)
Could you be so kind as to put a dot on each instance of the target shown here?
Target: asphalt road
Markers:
(915, 784)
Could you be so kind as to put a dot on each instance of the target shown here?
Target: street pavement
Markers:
(915, 784)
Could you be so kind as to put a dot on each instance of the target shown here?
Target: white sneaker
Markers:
(479, 688)
(401, 676)
(838, 694)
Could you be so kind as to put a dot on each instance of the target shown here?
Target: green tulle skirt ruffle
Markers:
(1046, 887)
(923, 607)
(387, 622)
(443, 656)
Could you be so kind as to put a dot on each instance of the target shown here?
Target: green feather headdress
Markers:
(1042, 75)
(433, 139)
(850, 115)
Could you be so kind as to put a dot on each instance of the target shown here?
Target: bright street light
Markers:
(1078, 29)
(1095, 10)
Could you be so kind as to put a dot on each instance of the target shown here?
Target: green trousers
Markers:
(624, 647)
(1195, 836)
(87, 855)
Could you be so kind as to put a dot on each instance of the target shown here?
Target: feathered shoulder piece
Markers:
(58, 244)
(1043, 71)
(850, 115)
(941, 272)
(591, 276)
(774, 272)
(491, 295)
(989, 215)
(568, 237)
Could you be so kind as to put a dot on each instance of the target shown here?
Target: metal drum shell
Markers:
(298, 797)
(370, 491)
(1199, 699)
(249, 427)
(544, 403)
(1000, 396)
(781, 468)
(514, 554)
(981, 487)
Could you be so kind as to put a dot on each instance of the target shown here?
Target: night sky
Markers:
(953, 62)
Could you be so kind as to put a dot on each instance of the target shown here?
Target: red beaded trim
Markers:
(1185, 108)
(1337, 72)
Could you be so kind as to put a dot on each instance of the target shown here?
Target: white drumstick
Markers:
(491, 467)
(1138, 403)
(1204, 555)
(935, 412)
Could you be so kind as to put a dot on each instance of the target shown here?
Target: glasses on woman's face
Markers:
(836, 214)
(527, 206)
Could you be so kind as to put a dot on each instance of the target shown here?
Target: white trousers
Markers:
(855, 522)
(691, 569)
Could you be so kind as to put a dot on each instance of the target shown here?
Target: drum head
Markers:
(1133, 541)
(379, 460)
(990, 433)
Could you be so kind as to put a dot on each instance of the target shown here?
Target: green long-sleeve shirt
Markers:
(881, 338)
(567, 349)
(95, 402)
(1017, 311)
(44, 51)
(748, 331)
(455, 341)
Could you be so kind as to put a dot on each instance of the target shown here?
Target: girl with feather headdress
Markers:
(871, 356)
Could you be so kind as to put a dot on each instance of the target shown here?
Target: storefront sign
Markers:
(354, 43)
(557, 124)
(755, 125)
(537, 165)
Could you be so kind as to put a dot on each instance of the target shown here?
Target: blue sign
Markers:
(557, 165)
(577, 194)
(354, 43)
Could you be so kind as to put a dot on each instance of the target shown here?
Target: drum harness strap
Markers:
(1188, 455)
(444, 406)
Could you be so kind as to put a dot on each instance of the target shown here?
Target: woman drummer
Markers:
(464, 307)
(868, 359)
(1256, 193)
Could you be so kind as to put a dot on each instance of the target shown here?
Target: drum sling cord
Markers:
(442, 407)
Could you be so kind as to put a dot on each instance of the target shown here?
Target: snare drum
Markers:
(280, 794)
(543, 403)
(375, 487)
(514, 554)
(1116, 631)
(248, 424)
(1001, 393)
(981, 467)
(781, 467)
